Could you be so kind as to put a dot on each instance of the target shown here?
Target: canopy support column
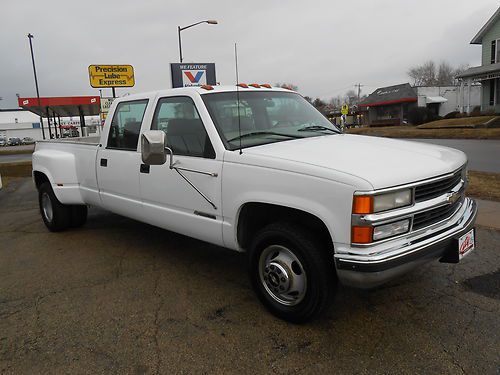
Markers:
(55, 124)
(82, 121)
(48, 122)
(60, 129)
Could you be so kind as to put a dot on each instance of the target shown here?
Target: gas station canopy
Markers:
(67, 106)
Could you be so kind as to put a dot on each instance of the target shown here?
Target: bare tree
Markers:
(445, 74)
(287, 85)
(350, 97)
(428, 74)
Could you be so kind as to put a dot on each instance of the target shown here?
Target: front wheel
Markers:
(291, 272)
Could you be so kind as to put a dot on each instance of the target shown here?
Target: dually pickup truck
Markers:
(259, 170)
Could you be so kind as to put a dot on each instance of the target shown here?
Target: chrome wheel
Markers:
(282, 275)
(47, 207)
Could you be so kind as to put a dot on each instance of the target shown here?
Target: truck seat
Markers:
(131, 132)
(188, 137)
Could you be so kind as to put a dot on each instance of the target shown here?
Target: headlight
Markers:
(393, 200)
(390, 230)
(367, 204)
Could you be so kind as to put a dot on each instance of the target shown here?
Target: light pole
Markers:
(30, 36)
(179, 29)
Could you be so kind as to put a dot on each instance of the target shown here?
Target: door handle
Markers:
(104, 162)
(144, 168)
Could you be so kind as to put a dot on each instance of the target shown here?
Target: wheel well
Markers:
(255, 216)
(40, 178)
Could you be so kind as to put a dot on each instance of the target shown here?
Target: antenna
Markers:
(237, 93)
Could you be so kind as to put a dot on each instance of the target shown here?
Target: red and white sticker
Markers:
(466, 244)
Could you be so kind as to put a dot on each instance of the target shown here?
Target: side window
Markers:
(126, 125)
(186, 134)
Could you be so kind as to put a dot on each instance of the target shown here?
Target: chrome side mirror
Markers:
(153, 147)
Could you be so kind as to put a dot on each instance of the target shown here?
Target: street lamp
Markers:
(179, 29)
(30, 36)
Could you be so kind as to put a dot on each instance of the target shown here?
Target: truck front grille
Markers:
(437, 188)
(424, 219)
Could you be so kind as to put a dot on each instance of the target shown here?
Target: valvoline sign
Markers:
(194, 78)
(192, 74)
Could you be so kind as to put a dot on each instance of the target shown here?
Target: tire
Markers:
(78, 215)
(291, 272)
(55, 215)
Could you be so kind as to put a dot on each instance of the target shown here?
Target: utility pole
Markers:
(359, 85)
(30, 36)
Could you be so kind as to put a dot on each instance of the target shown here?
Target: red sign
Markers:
(59, 101)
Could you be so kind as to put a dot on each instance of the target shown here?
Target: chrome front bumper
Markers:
(375, 268)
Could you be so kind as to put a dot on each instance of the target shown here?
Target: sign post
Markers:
(111, 76)
(192, 74)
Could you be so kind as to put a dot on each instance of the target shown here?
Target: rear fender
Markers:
(60, 169)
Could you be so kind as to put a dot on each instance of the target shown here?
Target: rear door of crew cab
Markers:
(169, 200)
(118, 159)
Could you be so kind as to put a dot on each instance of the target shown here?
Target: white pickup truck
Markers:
(257, 169)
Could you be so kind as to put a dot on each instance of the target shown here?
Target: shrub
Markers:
(488, 112)
(454, 114)
(476, 111)
(421, 115)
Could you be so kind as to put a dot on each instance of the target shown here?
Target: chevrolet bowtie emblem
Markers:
(453, 197)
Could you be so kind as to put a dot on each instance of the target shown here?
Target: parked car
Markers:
(28, 141)
(14, 141)
(260, 170)
(4, 141)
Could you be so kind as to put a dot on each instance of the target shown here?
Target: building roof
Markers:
(402, 93)
(66, 106)
(478, 39)
(482, 72)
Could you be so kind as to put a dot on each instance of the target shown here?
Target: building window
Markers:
(497, 91)
(497, 50)
(493, 52)
(492, 91)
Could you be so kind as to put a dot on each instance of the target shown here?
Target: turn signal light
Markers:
(361, 234)
(267, 85)
(362, 204)
(244, 85)
(207, 87)
(256, 85)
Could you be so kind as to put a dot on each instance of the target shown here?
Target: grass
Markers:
(457, 122)
(15, 169)
(484, 185)
(13, 151)
(414, 132)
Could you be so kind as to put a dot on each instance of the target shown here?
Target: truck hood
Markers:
(383, 162)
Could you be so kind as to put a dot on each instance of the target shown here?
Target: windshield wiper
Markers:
(317, 128)
(251, 134)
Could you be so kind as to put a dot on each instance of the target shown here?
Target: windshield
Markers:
(264, 117)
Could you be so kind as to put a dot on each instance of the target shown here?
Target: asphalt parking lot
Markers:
(118, 296)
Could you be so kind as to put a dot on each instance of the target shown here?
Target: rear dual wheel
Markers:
(57, 216)
(291, 272)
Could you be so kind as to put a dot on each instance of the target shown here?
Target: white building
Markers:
(446, 99)
(22, 123)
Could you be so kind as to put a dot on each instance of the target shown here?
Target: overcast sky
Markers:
(324, 47)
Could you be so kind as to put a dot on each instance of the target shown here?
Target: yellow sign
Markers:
(345, 109)
(111, 76)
